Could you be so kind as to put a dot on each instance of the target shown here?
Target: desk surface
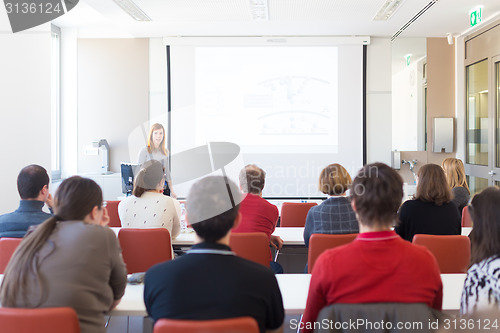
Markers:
(291, 236)
(294, 289)
(466, 231)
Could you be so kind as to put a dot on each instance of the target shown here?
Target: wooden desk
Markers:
(294, 289)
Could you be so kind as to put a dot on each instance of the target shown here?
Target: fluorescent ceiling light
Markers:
(133, 10)
(259, 10)
(484, 91)
(387, 10)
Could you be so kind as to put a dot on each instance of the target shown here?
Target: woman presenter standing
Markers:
(155, 150)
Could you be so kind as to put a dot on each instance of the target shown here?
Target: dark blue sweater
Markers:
(16, 224)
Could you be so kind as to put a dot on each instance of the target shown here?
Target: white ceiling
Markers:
(286, 18)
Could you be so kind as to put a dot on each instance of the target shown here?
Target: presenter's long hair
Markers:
(74, 200)
(151, 147)
(455, 173)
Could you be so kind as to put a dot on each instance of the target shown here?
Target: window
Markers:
(477, 113)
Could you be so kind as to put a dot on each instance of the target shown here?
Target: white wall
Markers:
(69, 102)
(113, 96)
(378, 113)
(157, 81)
(24, 107)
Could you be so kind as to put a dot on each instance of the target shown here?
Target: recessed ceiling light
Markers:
(387, 10)
(133, 10)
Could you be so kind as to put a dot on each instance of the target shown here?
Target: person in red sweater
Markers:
(378, 266)
(258, 215)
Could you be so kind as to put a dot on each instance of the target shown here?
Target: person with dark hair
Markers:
(334, 215)
(70, 260)
(257, 214)
(431, 212)
(33, 188)
(218, 283)
(155, 150)
(378, 266)
(147, 207)
(481, 292)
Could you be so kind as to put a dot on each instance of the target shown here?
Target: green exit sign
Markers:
(407, 59)
(476, 15)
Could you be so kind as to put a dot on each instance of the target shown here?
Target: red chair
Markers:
(293, 214)
(143, 248)
(452, 252)
(253, 246)
(114, 218)
(7, 248)
(230, 325)
(319, 243)
(40, 320)
(466, 219)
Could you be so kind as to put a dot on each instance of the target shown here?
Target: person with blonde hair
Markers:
(155, 150)
(431, 212)
(334, 215)
(70, 260)
(455, 176)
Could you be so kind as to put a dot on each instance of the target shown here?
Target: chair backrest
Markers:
(253, 246)
(114, 218)
(452, 252)
(319, 243)
(7, 248)
(230, 325)
(414, 316)
(293, 214)
(40, 320)
(143, 248)
(466, 219)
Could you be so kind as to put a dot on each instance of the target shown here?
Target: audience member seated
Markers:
(481, 292)
(455, 176)
(70, 260)
(147, 207)
(334, 215)
(210, 282)
(378, 266)
(33, 188)
(257, 214)
(431, 212)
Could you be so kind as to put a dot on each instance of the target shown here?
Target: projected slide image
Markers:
(295, 108)
(260, 96)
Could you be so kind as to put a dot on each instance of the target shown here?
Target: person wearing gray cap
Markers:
(210, 281)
